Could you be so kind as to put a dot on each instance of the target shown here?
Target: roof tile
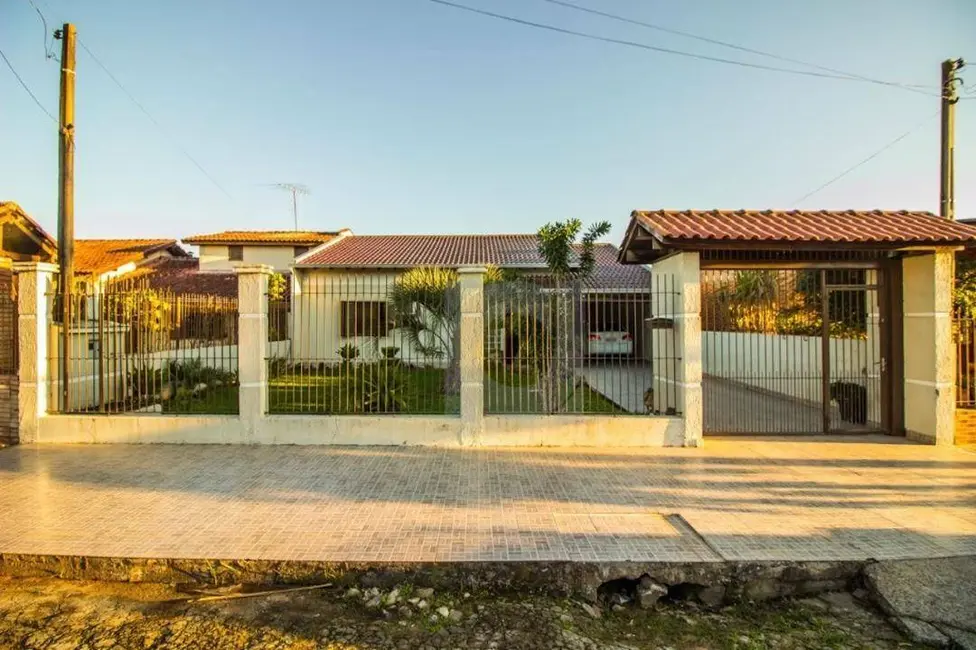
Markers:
(287, 237)
(801, 226)
(101, 255)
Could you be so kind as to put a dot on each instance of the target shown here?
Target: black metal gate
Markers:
(794, 351)
(8, 356)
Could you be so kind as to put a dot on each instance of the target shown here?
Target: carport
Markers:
(809, 322)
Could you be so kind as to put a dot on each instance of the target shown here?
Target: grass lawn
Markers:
(218, 400)
(344, 392)
(509, 390)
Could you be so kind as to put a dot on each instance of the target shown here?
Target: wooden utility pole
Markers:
(947, 197)
(66, 198)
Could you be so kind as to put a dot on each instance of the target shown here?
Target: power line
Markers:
(570, 5)
(152, 119)
(27, 88)
(48, 50)
(866, 160)
(654, 48)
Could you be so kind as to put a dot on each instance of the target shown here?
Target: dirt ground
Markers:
(62, 615)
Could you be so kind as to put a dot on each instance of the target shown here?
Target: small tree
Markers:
(568, 262)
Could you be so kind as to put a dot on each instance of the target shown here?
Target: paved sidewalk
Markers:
(737, 499)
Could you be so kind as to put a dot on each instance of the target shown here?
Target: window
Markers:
(363, 319)
(300, 250)
(235, 253)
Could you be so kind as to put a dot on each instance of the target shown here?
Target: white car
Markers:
(611, 343)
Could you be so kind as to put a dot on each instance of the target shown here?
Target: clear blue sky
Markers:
(405, 116)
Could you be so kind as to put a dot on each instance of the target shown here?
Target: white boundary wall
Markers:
(255, 426)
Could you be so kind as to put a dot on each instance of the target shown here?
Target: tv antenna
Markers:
(295, 189)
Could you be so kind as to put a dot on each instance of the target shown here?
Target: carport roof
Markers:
(655, 233)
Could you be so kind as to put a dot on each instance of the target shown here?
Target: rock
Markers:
(354, 593)
(712, 597)
(649, 592)
(937, 592)
(839, 601)
(413, 601)
(862, 595)
(405, 611)
(455, 616)
(618, 608)
(426, 593)
(422, 605)
(443, 611)
(565, 618)
(594, 612)
(814, 603)
(374, 602)
(392, 598)
(922, 632)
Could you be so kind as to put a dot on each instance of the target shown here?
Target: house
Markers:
(21, 238)
(97, 261)
(341, 290)
(222, 251)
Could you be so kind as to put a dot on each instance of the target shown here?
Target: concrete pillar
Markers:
(930, 399)
(677, 362)
(35, 287)
(252, 345)
(472, 353)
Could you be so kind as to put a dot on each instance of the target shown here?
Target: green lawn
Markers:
(421, 391)
(217, 400)
(516, 390)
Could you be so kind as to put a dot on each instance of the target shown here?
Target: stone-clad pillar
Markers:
(35, 285)
(677, 362)
(472, 353)
(252, 344)
(930, 388)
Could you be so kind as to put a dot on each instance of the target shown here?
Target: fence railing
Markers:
(551, 349)
(135, 349)
(964, 331)
(367, 344)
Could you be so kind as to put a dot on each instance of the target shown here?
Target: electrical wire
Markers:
(865, 161)
(48, 49)
(155, 122)
(910, 87)
(654, 48)
(27, 88)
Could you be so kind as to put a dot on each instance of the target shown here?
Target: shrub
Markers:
(390, 352)
(348, 352)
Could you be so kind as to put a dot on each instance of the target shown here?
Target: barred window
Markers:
(363, 318)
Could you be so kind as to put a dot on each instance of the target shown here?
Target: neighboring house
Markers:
(222, 251)
(98, 260)
(182, 275)
(340, 289)
(21, 238)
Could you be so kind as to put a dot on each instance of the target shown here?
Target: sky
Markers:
(405, 116)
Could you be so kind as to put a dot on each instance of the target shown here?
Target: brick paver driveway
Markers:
(736, 499)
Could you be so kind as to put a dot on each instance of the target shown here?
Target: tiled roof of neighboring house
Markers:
(405, 251)
(265, 237)
(182, 275)
(12, 215)
(101, 255)
(844, 227)
(611, 274)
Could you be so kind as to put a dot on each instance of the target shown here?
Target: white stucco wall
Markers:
(216, 258)
(317, 297)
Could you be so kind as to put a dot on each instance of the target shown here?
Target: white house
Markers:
(340, 289)
(222, 251)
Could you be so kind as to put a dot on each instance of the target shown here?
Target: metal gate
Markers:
(793, 351)
(8, 355)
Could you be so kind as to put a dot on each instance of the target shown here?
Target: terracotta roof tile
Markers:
(286, 237)
(796, 226)
(101, 255)
(182, 275)
(405, 251)
(511, 251)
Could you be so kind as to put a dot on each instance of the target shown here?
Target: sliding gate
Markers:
(793, 351)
